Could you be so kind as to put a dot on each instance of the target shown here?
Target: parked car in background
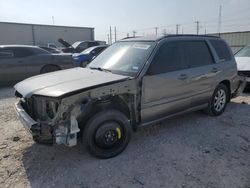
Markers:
(51, 45)
(78, 46)
(243, 63)
(84, 58)
(18, 62)
(51, 50)
(133, 83)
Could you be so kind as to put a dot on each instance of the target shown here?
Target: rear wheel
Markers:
(49, 68)
(107, 134)
(218, 101)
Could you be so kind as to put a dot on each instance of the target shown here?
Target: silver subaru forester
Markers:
(134, 82)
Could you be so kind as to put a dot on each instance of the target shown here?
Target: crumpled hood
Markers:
(243, 63)
(62, 82)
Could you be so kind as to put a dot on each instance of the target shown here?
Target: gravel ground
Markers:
(193, 150)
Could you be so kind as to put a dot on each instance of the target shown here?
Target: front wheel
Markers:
(218, 101)
(107, 133)
(84, 63)
(49, 68)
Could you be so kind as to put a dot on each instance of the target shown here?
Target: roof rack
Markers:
(187, 35)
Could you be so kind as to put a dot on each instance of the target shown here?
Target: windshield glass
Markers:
(126, 58)
(76, 44)
(244, 52)
(88, 50)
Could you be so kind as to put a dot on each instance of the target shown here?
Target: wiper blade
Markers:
(101, 69)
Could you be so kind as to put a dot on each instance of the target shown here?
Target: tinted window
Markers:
(4, 54)
(168, 58)
(22, 52)
(99, 50)
(197, 53)
(221, 49)
(40, 50)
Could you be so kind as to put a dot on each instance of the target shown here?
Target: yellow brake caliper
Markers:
(118, 130)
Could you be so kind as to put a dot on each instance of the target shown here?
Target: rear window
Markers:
(221, 49)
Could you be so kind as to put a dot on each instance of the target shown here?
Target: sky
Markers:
(141, 16)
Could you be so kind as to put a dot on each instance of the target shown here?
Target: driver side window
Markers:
(168, 58)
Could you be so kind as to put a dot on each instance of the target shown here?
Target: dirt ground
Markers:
(192, 150)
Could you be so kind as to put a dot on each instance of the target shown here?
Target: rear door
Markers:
(166, 87)
(202, 70)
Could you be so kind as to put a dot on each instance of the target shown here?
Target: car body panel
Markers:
(63, 82)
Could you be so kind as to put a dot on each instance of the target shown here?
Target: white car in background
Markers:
(243, 63)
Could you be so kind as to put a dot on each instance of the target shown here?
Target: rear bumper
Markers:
(241, 86)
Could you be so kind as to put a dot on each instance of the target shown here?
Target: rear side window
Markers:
(197, 53)
(167, 59)
(5, 54)
(221, 49)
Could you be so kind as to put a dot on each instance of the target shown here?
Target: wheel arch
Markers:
(122, 103)
(228, 85)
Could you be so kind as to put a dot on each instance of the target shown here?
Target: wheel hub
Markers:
(220, 100)
(108, 135)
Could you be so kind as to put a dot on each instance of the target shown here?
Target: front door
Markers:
(166, 87)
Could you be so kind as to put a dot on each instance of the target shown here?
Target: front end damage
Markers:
(48, 120)
(57, 120)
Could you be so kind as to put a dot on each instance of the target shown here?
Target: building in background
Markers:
(34, 34)
(236, 40)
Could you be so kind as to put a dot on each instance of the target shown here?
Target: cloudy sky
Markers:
(141, 16)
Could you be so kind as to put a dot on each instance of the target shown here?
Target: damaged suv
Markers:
(134, 82)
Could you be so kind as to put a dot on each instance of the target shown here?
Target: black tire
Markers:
(107, 134)
(84, 63)
(49, 68)
(212, 108)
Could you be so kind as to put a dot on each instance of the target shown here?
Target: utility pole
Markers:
(108, 39)
(110, 34)
(164, 33)
(205, 31)
(156, 31)
(134, 32)
(127, 34)
(177, 29)
(219, 21)
(53, 20)
(115, 33)
(197, 27)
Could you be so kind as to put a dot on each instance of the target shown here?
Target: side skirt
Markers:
(196, 108)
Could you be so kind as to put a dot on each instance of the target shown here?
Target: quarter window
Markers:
(221, 49)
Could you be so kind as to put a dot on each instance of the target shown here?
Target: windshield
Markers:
(125, 58)
(244, 52)
(76, 44)
(88, 50)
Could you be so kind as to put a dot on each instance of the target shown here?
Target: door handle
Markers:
(214, 70)
(183, 77)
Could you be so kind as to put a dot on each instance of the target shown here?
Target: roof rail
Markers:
(188, 35)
